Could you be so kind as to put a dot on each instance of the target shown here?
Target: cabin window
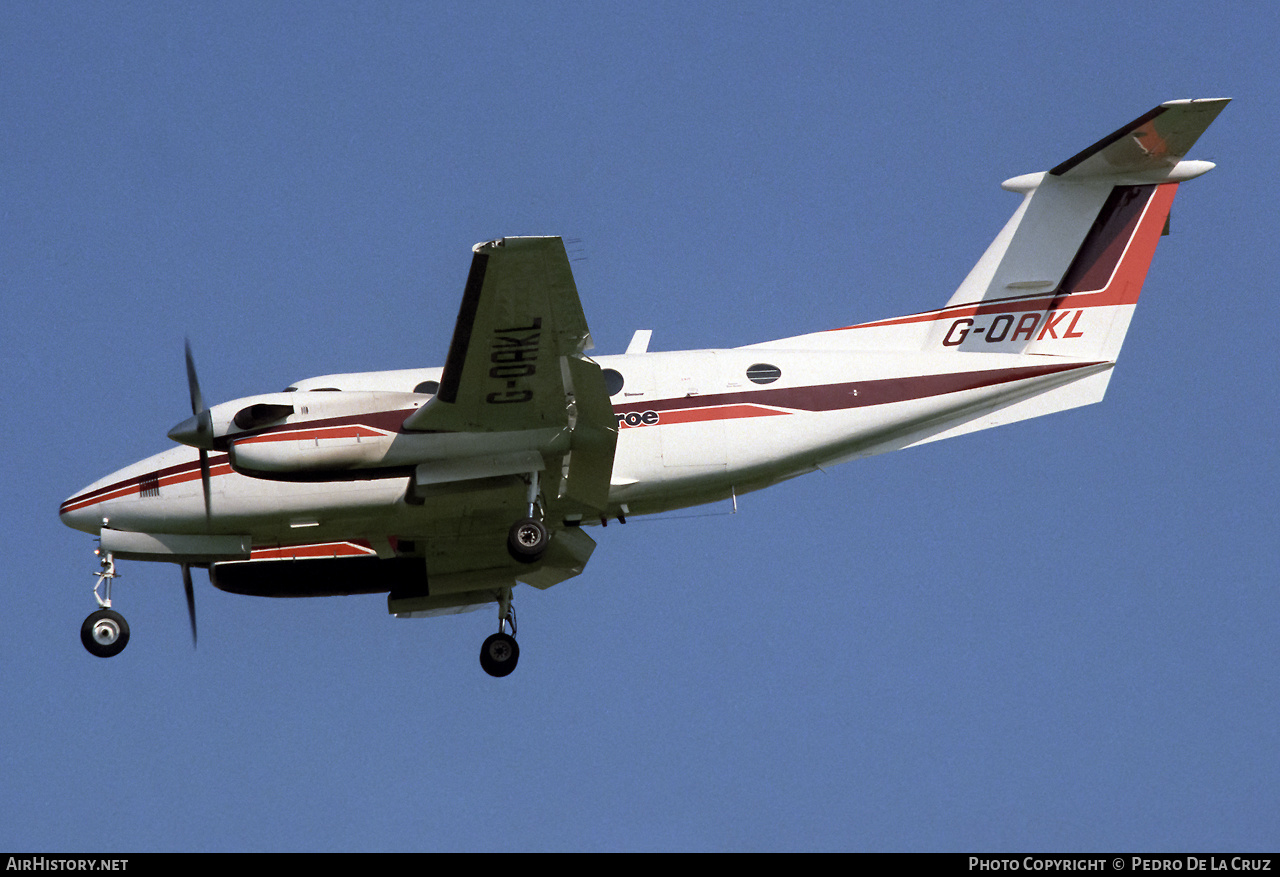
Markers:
(763, 373)
(613, 381)
(427, 388)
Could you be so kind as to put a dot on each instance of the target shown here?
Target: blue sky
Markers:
(1060, 635)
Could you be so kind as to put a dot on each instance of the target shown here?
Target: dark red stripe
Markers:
(822, 397)
(1100, 253)
(390, 421)
(167, 475)
(1106, 243)
(857, 394)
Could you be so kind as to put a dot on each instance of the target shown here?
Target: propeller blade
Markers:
(204, 484)
(193, 383)
(191, 600)
(197, 431)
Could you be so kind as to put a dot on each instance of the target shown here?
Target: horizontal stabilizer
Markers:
(1060, 207)
(1155, 141)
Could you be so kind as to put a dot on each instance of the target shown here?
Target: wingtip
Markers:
(1222, 101)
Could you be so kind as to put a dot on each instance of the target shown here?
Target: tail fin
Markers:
(1063, 276)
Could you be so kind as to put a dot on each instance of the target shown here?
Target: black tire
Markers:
(527, 541)
(499, 654)
(105, 633)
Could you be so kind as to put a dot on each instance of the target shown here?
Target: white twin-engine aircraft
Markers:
(446, 487)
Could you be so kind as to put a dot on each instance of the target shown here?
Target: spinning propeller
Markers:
(197, 432)
(191, 599)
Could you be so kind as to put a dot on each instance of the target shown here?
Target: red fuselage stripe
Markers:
(688, 409)
(1117, 256)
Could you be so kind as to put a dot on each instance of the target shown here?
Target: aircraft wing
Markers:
(516, 363)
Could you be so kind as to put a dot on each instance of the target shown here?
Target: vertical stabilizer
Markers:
(1064, 274)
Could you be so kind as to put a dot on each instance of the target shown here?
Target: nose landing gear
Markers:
(104, 633)
(499, 654)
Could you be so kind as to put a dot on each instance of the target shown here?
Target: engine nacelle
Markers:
(314, 435)
(311, 449)
(339, 436)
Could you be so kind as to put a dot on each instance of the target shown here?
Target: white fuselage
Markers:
(694, 427)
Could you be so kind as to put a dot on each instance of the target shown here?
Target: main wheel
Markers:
(528, 540)
(499, 654)
(105, 633)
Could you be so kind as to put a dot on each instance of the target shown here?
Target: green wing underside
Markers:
(516, 364)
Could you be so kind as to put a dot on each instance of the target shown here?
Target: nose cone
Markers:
(187, 432)
(134, 497)
(196, 431)
(82, 511)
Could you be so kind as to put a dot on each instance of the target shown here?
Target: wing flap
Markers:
(588, 467)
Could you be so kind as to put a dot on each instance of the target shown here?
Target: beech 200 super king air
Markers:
(445, 487)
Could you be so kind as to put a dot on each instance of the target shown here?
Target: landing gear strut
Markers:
(105, 633)
(499, 654)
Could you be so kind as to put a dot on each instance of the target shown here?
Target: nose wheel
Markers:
(500, 652)
(105, 633)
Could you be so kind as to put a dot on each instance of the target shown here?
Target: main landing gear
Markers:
(105, 633)
(499, 654)
(528, 538)
(527, 542)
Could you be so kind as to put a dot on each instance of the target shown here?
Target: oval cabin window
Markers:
(763, 373)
